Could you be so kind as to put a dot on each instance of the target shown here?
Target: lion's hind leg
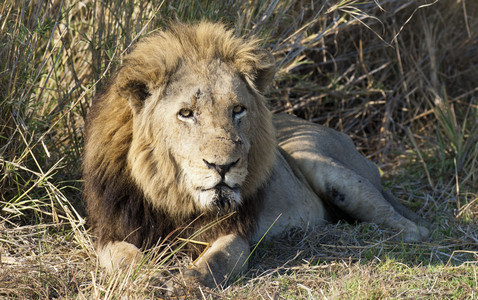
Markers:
(338, 173)
(356, 196)
(404, 211)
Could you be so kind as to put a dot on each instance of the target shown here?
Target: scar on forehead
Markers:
(196, 97)
(198, 94)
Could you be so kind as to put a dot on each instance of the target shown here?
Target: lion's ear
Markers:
(265, 70)
(132, 86)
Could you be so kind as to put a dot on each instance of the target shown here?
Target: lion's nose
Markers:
(221, 169)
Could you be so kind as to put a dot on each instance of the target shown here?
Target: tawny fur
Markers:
(182, 137)
(110, 189)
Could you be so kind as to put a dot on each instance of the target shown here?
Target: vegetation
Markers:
(400, 77)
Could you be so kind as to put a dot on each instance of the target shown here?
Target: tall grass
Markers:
(398, 76)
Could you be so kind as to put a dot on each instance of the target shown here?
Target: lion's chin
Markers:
(222, 199)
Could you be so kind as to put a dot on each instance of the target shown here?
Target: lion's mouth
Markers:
(225, 199)
(222, 198)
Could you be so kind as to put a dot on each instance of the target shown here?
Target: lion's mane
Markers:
(117, 205)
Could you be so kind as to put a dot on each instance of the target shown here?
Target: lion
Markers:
(182, 138)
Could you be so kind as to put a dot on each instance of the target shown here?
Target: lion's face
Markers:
(208, 112)
(201, 138)
(204, 120)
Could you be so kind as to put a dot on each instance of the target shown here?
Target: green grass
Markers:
(399, 78)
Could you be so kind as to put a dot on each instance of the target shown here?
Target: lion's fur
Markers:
(181, 137)
(118, 208)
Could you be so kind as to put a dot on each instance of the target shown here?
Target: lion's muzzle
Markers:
(218, 176)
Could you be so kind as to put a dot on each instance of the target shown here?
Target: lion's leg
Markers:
(224, 259)
(115, 255)
(356, 196)
(404, 211)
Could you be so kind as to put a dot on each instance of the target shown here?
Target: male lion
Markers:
(183, 138)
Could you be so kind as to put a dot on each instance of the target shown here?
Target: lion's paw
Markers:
(115, 255)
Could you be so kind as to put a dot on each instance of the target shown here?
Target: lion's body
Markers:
(182, 138)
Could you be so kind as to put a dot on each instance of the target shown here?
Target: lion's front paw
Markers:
(115, 255)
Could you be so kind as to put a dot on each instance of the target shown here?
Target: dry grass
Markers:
(398, 76)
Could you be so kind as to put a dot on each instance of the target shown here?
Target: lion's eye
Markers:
(185, 113)
(238, 110)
